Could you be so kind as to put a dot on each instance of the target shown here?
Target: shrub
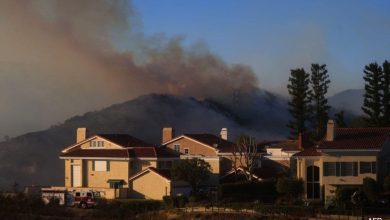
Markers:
(264, 191)
(290, 188)
(370, 189)
(343, 197)
(175, 201)
(126, 208)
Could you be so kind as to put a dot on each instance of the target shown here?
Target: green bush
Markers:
(370, 189)
(290, 188)
(343, 197)
(264, 191)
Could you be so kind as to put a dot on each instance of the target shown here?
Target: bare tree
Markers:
(245, 156)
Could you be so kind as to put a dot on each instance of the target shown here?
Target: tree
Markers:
(386, 93)
(291, 188)
(370, 189)
(372, 105)
(245, 156)
(193, 171)
(319, 104)
(340, 121)
(299, 91)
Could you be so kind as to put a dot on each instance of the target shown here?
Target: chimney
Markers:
(300, 141)
(330, 131)
(224, 133)
(167, 134)
(81, 134)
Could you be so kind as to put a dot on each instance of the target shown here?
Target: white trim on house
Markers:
(148, 170)
(88, 140)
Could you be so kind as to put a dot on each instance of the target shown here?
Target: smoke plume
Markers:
(61, 58)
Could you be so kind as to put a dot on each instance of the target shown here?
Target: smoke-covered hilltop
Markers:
(33, 158)
(62, 58)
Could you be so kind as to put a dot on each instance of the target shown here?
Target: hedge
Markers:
(264, 191)
(126, 208)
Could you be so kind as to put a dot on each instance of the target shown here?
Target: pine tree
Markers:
(299, 90)
(386, 94)
(319, 104)
(372, 105)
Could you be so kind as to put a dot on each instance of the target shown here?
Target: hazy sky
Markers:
(275, 36)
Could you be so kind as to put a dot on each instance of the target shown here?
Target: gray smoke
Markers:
(61, 58)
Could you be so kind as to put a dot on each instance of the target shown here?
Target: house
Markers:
(343, 159)
(216, 150)
(153, 183)
(279, 154)
(105, 163)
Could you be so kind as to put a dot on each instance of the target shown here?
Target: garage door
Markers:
(76, 176)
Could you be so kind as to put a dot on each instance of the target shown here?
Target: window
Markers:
(186, 151)
(313, 182)
(96, 144)
(340, 168)
(368, 167)
(177, 147)
(329, 169)
(101, 165)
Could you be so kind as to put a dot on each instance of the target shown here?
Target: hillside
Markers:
(33, 158)
(350, 100)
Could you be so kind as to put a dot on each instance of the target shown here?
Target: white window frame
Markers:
(186, 150)
(96, 144)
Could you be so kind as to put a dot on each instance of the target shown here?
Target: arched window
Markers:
(313, 182)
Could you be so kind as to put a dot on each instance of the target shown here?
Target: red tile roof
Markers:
(286, 145)
(142, 152)
(121, 153)
(125, 140)
(308, 152)
(137, 152)
(211, 140)
(357, 138)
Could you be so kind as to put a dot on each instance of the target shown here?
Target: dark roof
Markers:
(142, 152)
(125, 140)
(308, 152)
(123, 153)
(216, 142)
(286, 145)
(137, 152)
(163, 172)
(165, 152)
(357, 138)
